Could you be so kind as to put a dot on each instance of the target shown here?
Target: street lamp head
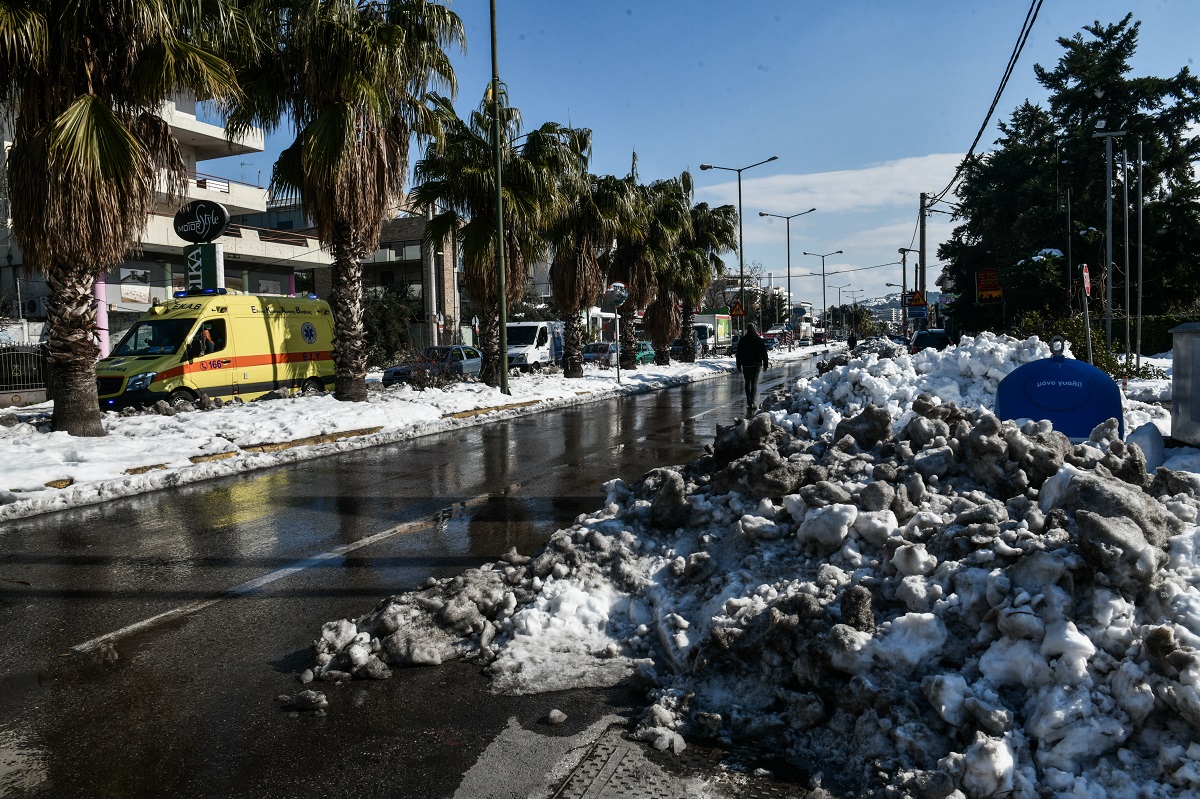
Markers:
(772, 158)
(810, 210)
(763, 213)
(837, 252)
(704, 167)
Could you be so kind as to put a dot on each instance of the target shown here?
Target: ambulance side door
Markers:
(213, 367)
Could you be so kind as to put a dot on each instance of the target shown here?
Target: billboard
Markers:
(987, 286)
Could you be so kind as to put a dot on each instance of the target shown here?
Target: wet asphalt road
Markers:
(183, 703)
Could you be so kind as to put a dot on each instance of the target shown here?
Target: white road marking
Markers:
(258, 583)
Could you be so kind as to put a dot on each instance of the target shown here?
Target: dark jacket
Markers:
(751, 351)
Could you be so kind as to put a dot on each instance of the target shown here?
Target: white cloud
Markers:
(891, 184)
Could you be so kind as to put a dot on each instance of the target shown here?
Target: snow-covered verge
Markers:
(878, 580)
(42, 471)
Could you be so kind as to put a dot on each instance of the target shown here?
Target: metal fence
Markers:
(24, 374)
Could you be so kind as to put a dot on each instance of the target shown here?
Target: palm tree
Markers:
(83, 83)
(457, 175)
(660, 217)
(713, 231)
(592, 216)
(661, 319)
(352, 78)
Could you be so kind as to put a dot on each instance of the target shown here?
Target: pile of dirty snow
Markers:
(967, 375)
(891, 586)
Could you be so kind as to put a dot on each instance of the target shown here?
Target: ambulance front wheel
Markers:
(312, 387)
(180, 396)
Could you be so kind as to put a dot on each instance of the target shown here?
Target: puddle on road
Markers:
(22, 766)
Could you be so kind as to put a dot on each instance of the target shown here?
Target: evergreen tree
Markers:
(1013, 201)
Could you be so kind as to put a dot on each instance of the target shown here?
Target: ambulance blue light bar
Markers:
(197, 293)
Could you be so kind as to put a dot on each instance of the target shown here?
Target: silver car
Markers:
(458, 360)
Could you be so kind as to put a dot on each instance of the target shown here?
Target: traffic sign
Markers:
(1087, 281)
(918, 311)
(736, 309)
(917, 300)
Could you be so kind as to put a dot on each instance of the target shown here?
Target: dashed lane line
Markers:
(258, 583)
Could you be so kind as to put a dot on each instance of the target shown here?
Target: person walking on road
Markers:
(852, 341)
(751, 359)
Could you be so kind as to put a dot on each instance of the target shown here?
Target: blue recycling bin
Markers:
(1074, 395)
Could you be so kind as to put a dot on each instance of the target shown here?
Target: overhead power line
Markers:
(1022, 37)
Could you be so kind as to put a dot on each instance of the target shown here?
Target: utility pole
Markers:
(1070, 262)
(1141, 235)
(921, 282)
(1108, 258)
(502, 312)
(1125, 224)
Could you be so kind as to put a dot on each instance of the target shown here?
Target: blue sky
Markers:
(866, 103)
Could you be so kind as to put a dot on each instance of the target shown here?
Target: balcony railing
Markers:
(293, 237)
(216, 183)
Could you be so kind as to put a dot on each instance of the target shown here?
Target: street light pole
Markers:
(841, 316)
(824, 305)
(839, 302)
(741, 243)
(788, 225)
(854, 313)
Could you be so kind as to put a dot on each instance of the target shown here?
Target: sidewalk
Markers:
(616, 768)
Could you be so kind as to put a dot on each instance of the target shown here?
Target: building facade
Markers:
(258, 260)
(269, 248)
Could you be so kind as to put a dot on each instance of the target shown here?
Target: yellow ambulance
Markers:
(219, 345)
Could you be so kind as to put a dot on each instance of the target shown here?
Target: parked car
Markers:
(457, 360)
(602, 352)
(605, 352)
(733, 344)
(805, 341)
(676, 349)
(923, 339)
(771, 342)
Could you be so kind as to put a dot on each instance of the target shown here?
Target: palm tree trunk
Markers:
(489, 343)
(628, 336)
(573, 345)
(349, 347)
(688, 334)
(72, 317)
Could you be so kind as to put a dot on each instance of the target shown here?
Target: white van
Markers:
(532, 345)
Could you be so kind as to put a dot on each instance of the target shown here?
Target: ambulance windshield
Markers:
(155, 337)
